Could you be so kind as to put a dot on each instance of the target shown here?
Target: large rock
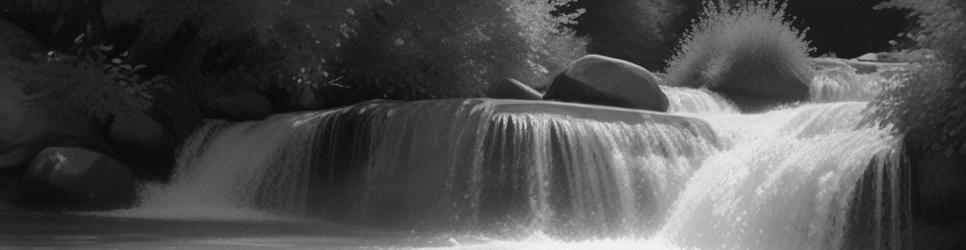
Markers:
(512, 89)
(139, 132)
(76, 178)
(595, 79)
(28, 127)
(15, 42)
(234, 102)
(141, 141)
(179, 110)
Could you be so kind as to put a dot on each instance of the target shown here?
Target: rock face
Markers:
(512, 89)
(26, 128)
(77, 178)
(235, 103)
(141, 141)
(15, 42)
(595, 79)
(137, 131)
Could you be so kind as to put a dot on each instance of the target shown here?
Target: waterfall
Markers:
(790, 182)
(703, 176)
(844, 84)
(568, 169)
(688, 100)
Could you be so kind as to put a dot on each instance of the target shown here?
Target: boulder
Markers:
(16, 42)
(601, 80)
(139, 140)
(28, 127)
(136, 131)
(178, 110)
(512, 89)
(77, 178)
(234, 103)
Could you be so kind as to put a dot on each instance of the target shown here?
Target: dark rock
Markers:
(17, 43)
(512, 89)
(234, 102)
(137, 131)
(76, 178)
(141, 141)
(13, 161)
(178, 111)
(9, 191)
(28, 127)
(595, 79)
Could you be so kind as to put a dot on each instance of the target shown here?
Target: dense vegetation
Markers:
(929, 101)
(337, 52)
(755, 38)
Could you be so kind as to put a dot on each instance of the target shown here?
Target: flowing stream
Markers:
(488, 174)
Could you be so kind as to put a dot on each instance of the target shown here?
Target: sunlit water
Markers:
(482, 174)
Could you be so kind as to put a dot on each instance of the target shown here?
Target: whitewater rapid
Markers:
(803, 176)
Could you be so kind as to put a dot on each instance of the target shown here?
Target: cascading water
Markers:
(705, 176)
(688, 100)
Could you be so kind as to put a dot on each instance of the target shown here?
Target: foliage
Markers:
(930, 98)
(738, 35)
(442, 48)
(640, 31)
(352, 50)
(102, 87)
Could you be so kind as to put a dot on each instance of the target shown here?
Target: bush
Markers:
(930, 97)
(750, 44)
(102, 87)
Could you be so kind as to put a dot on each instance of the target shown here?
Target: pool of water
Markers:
(35, 229)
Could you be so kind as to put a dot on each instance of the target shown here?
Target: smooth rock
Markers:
(178, 111)
(512, 89)
(16, 42)
(77, 178)
(600, 80)
(234, 102)
(28, 127)
(136, 131)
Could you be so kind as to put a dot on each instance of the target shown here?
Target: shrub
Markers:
(353, 50)
(930, 97)
(750, 44)
(102, 87)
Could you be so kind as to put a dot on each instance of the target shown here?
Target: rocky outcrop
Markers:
(600, 80)
(141, 141)
(16, 42)
(139, 132)
(28, 127)
(234, 103)
(77, 178)
(512, 89)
